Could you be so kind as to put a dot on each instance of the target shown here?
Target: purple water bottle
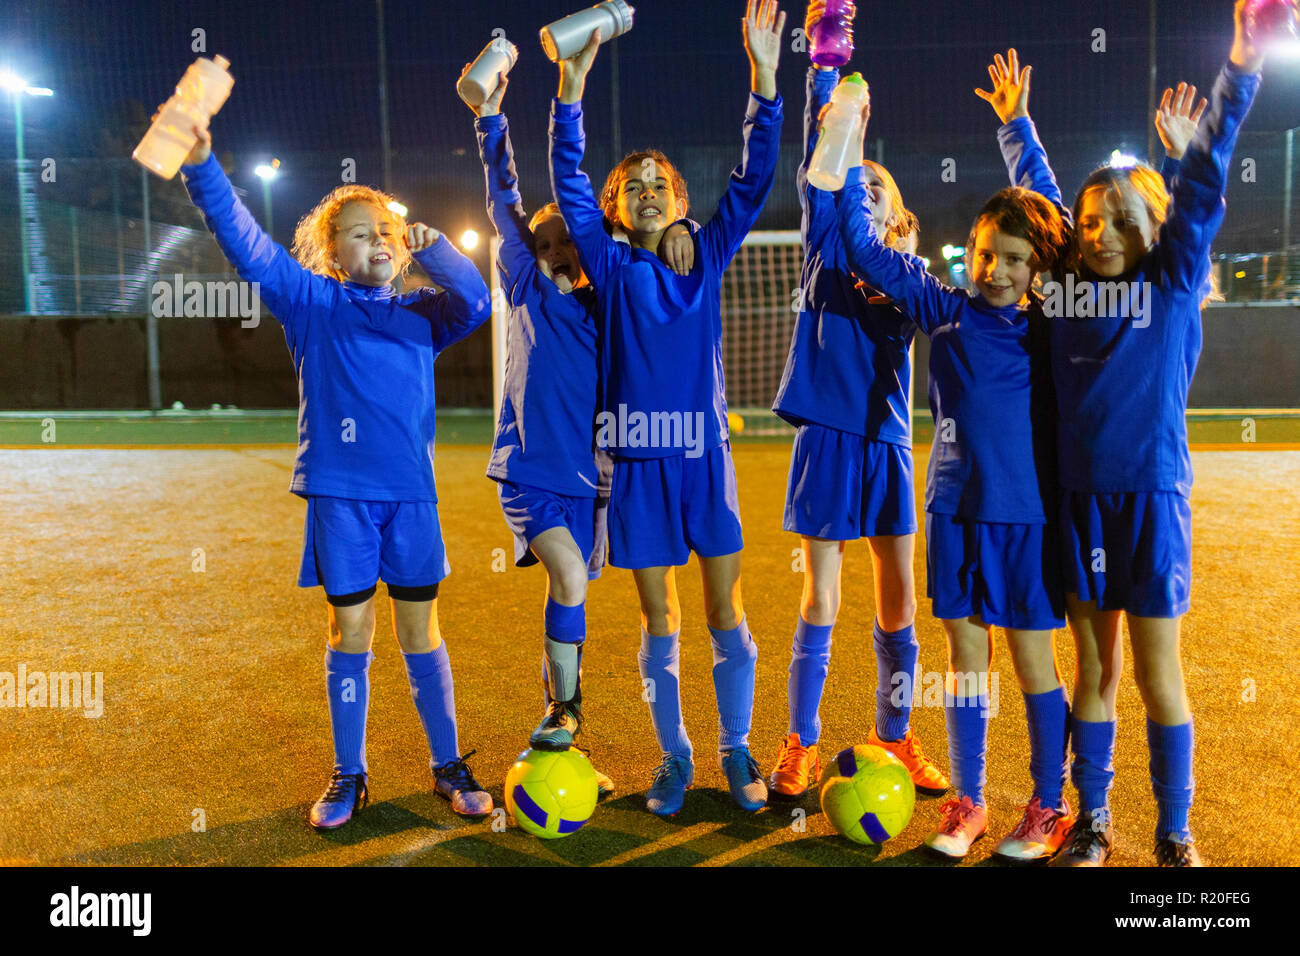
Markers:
(831, 38)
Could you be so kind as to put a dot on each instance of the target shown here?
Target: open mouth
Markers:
(563, 269)
(381, 257)
(651, 212)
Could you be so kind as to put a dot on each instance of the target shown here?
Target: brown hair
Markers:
(313, 239)
(546, 212)
(1018, 212)
(618, 175)
(904, 223)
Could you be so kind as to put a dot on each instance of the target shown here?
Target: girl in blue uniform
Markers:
(364, 357)
(846, 389)
(992, 552)
(663, 413)
(554, 490)
(1123, 376)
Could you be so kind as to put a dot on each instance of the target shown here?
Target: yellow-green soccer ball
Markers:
(867, 794)
(551, 794)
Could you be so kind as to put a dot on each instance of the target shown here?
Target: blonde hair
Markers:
(546, 212)
(313, 238)
(904, 225)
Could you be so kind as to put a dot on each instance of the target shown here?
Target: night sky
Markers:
(306, 82)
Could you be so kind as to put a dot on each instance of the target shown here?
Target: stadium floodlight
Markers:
(397, 207)
(38, 91)
(469, 239)
(267, 172)
(957, 267)
(10, 82)
(951, 252)
(1121, 160)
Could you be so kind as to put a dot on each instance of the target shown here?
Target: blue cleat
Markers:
(346, 795)
(744, 779)
(454, 781)
(672, 779)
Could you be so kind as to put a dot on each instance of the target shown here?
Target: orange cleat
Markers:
(797, 768)
(927, 777)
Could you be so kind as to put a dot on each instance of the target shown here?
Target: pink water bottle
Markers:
(831, 39)
(1272, 21)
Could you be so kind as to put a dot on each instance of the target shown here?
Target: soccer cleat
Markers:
(744, 779)
(927, 778)
(346, 795)
(963, 824)
(454, 781)
(1039, 835)
(667, 791)
(797, 768)
(559, 728)
(1170, 852)
(1089, 841)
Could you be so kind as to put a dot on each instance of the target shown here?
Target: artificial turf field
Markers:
(214, 692)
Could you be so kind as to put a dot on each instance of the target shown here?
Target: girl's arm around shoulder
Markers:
(465, 302)
(923, 298)
(600, 254)
(505, 206)
(283, 284)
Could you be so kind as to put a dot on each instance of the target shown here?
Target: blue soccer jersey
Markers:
(994, 450)
(849, 367)
(1122, 376)
(364, 356)
(661, 348)
(545, 433)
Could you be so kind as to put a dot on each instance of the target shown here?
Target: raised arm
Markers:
(1022, 151)
(599, 253)
(925, 300)
(464, 303)
(751, 181)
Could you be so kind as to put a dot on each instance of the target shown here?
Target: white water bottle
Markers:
(563, 38)
(200, 93)
(480, 82)
(839, 144)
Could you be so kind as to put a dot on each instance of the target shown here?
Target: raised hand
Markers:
(574, 70)
(420, 237)
(492, 105)
(677, 249)
(1010, 96)
(1177, 117)
(202, 149)
(763, 27)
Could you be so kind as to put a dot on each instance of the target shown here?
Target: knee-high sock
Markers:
(734, 657)
(435, 701)
(1093, 743)
(968, 731)
(658, 663)
(1048, 715)
(810, 659)
(566, 627)
(896, 654)
(347, 686)
(1171, 777)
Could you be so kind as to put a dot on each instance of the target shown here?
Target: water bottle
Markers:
(831, 38)
(563, 38)
(200, 93)
(481, 80)
(839, 143)
(1272, 21)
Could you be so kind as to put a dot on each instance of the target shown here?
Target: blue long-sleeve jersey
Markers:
(990, 382)
(545, 433)
(364, 356)
(849, 365)
(661, 334)
(1122, 379)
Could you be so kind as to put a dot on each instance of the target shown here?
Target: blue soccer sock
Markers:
(968, 731)
(734, 657)
(1048, 715)
(1093, 743)
(435, 701)
(566, 628)
(347, 686)
(896, 653)
(810, 659)
(659, 665)
(1171, 777)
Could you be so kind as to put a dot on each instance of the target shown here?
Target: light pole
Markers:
(267, 172)
(17, 89)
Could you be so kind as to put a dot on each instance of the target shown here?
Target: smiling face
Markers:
(366, 244)
(1115, 229)
(646, 201)
(1002, 265)
(556, 255)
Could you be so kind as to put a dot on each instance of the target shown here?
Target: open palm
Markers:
(1010, 96)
